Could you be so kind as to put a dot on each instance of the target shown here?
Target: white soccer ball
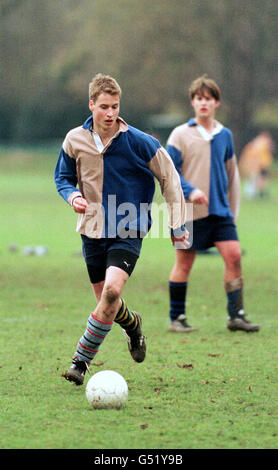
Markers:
(106, 389)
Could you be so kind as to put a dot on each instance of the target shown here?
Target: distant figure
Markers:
(254, 165)
(203, 152)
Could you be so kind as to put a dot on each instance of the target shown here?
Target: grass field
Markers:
(212, 389)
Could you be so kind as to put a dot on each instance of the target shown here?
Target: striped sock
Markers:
(90, 342)
(234, 291)
(177, 293)
(127, 319)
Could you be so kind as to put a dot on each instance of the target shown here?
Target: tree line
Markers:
(51, 49)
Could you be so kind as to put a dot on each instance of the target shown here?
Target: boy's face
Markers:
(204, 105)
(105, 111)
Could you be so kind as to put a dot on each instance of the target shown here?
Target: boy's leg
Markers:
(231, 254)
(124, 254)
(99, 324)
(120, 264)
(126, 318)
(202, 230)
(126, 261)
(97, 288)
(112, 307)
(177, 291)
(110, 300)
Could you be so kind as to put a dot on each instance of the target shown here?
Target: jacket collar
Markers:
(204, 133)
(88, 124)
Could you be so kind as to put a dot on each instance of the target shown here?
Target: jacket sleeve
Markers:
(65, 177)
(233, 185)
(176, 156)
(233, 193)
(164, 170)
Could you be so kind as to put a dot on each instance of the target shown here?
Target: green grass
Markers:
(208, 390)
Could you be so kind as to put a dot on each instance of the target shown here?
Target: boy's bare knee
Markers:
(236, 256)
(183, 269)
(111, 294)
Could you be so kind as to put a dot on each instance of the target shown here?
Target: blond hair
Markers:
(103, 84)
(202, 84)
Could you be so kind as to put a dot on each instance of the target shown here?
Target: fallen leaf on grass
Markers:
(143, 426)
(203, 382)
(185, 366)
(98, 364)
(214, 355)
(183, 341)
(42, 305)
(250, 388)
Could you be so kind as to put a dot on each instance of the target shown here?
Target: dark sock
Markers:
(234, 291)
(177, 293)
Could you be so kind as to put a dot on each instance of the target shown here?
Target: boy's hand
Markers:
(199, 197)
(79, 205)
(181, 242)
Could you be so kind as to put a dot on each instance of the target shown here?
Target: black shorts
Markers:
(264, 172)
(212, 229)
(101, 253)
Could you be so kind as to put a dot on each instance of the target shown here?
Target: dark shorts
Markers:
(264, 172)
(212, 229)
(101, 253)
